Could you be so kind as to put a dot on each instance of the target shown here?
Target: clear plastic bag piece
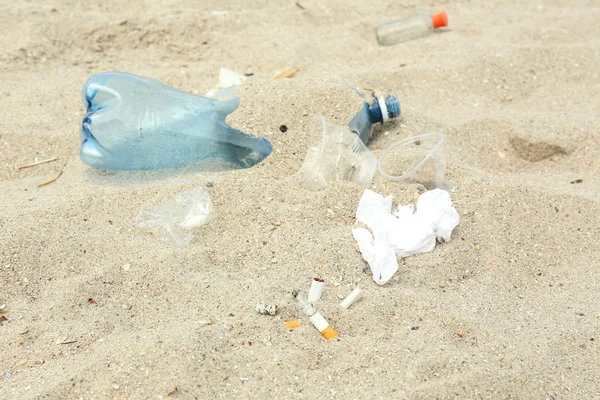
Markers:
(176, 219)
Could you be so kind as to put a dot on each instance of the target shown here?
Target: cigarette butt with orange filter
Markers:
(323, 326)
(291, 324)
(317, 319)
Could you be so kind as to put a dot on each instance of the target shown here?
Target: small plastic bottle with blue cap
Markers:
(379, 111)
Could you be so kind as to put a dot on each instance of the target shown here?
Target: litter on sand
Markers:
(316, 290)
(293, 324)
(316, 318)
(155, 126)
(266, 309)
(351, 299)
(227, 78)
(177, 218)
(335, 153)
(339, 153)
(409, 28)
(404, 232)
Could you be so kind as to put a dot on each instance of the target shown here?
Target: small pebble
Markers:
(283, 128)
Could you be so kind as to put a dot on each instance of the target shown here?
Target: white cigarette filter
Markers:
(316, 290)
(351, 299)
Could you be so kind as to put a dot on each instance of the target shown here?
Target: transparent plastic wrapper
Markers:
(176, 219)
(420, 159)
(133, 122)
(335, 153)
(409, 28)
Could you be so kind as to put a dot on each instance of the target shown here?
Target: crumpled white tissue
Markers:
(404, 232)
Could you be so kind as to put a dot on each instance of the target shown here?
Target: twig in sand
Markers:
(289, 72)
(173, 391)
(300, 6)
(67, 342)
(55, 178)
(258, 66)
(37, 163)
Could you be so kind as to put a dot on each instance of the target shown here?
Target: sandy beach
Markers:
(95, 308)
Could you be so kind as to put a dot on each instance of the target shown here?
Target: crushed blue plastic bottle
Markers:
(135, 123)
(379, 111)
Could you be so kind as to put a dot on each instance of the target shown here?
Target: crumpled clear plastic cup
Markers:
(420, 159)
(336, 154)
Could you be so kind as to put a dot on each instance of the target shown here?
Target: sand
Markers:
(97, 308)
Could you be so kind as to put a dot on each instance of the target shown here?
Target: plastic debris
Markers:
(227, 78)
(351, 299)
(176, 219)
(380, 111)
(317, 319)
(266, 309)
(292, 324)
(402, 233)
(316, 290)
(420, 159)
(335, 153)
(134, 123)
(410, 28)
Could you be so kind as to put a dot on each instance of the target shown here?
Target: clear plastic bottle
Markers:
(133, 122)
(409, 28)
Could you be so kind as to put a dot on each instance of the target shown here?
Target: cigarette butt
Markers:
(316, 290)
(323, 326)
(351, 299)
(329, 333)
(291, 324)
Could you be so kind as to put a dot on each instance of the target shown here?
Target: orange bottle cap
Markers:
(439, 20)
